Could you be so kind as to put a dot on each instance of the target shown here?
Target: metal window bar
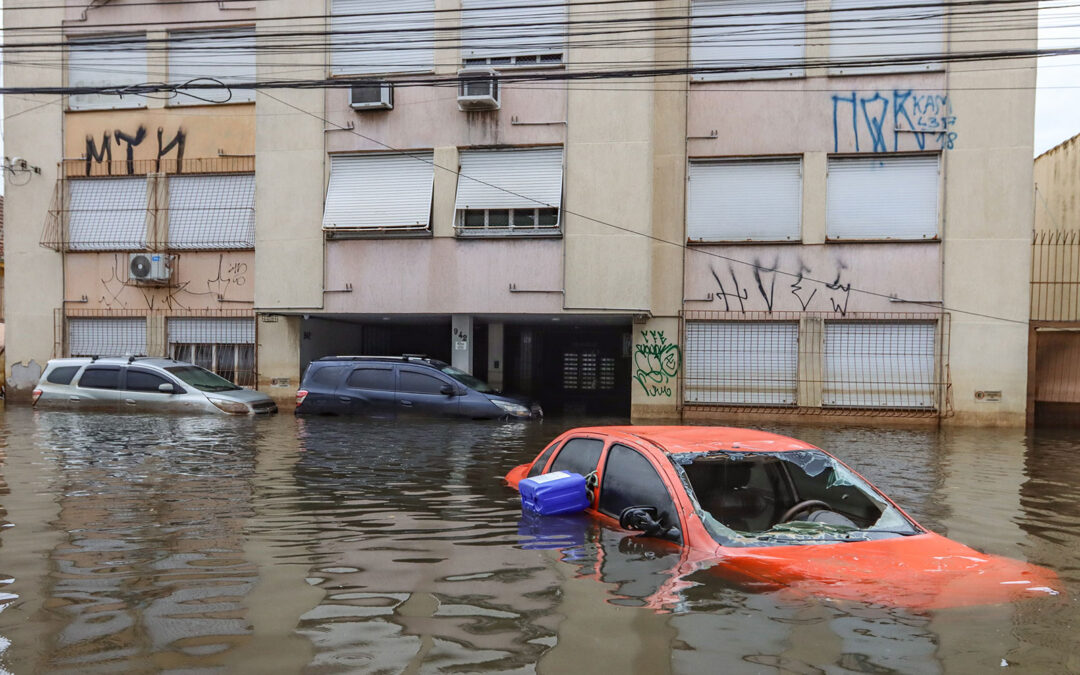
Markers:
(89, 166)
(99, 336)
(212, 211)
(225, 346)
(877, 364)
(1055, 275)
(107, 214)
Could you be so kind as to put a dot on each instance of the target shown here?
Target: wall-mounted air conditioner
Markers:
(478, 89)
(150, 267)
(378, 96)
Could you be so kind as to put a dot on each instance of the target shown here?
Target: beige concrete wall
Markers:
(289, 172)
(1057, 186)
(278, 345)
(989, 206)
(33, 275)
(444, 275)
(201, 280)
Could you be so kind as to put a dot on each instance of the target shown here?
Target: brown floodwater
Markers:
(137, 544)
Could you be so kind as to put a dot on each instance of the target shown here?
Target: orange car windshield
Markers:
(785, 498)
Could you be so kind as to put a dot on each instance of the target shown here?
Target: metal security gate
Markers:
(99, 336)
(880, 364)
(741, 362)
(224, 346)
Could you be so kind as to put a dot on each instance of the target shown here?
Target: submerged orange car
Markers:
(775, 512)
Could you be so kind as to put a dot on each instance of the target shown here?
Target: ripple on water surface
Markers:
(210, 544)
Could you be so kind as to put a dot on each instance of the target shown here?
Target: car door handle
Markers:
(129, 401)
(73, 398)
(344, 399)
(407, 404)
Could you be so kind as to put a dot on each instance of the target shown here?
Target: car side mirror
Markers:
(448, 390)
(646, 519)
(166, 388)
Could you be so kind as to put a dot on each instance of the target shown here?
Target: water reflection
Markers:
(142, 544)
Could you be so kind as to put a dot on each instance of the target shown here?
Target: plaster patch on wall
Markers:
(24, 376)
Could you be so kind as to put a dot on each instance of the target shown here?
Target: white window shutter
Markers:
(744, 200)
(107, 214)
(379, 191)
(766, 39)
(374, 37)
(199, 330)
(882, 197)
(879, 364)
(741, 362)
(516, 28)
(225, 55)
(510, 179)
(212, 211)
(107, 337)
(880, 31)
(118, 64)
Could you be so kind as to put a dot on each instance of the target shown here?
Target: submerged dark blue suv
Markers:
(385, 386)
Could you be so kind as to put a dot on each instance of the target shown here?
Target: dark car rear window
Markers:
(62, 375)
(100, 377)
(381, 379)
(326, 377)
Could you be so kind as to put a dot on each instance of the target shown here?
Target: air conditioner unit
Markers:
(150, 267)
(378, 96)
(478, 89)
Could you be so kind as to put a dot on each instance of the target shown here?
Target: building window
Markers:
(880, 364)
(512, 34)
(367, 39)
(379, 193)
(224, 55)
(107, 214)
(741, 362)
(869, 36)
(882, 197)
(106, 336)
(116, 61)
(748, 40)
(212, 211)
(509, 192)
(224, 346)
(739, 200)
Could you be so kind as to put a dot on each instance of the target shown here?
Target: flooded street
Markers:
(328, 545)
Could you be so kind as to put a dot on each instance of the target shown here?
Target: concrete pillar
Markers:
(157, 342)
(461, 342)
(811, 361)
(658, 362)
(279, 356)
(496, 361)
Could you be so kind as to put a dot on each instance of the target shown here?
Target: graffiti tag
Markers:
(878, 122)
(104, 153)
(656, 362)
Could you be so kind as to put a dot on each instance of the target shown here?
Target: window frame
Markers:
(697, 36)
(831, 236)
(114, 102)
(372, 366)
(794, 237)
(98, 369)
(875, 44)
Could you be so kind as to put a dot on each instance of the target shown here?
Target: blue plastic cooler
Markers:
(553, 493)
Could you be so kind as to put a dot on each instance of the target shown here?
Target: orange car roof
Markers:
(675, 439)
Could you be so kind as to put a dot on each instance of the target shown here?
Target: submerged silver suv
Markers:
(143, 385)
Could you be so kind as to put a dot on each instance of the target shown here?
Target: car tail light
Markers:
(301, 394)
(36, 394)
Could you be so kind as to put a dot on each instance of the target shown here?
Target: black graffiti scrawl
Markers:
(103, 153)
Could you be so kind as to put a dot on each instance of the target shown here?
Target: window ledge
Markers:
(334, 234)
(508, 234)
(742, 242)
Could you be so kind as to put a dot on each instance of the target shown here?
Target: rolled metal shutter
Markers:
(380, 37)
(380, 191)
(516, 28)
(879, 364)
(510, 179)
(214, 211)
(200, 330)
(107, 337)
(118, 64)
(756, 40)
(225, 55)
(106, 214)
(862, 32)
(741, 362)
(744, 200)
(883, 197)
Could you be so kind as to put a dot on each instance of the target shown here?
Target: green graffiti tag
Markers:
(656, 361)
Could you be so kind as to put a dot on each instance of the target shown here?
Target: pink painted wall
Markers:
(199, 278)
(798, 115)
(154, 14)
(444, 275)
(428, 117)
(831, 277)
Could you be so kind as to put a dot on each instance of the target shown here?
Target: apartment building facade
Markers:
(789, 208)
